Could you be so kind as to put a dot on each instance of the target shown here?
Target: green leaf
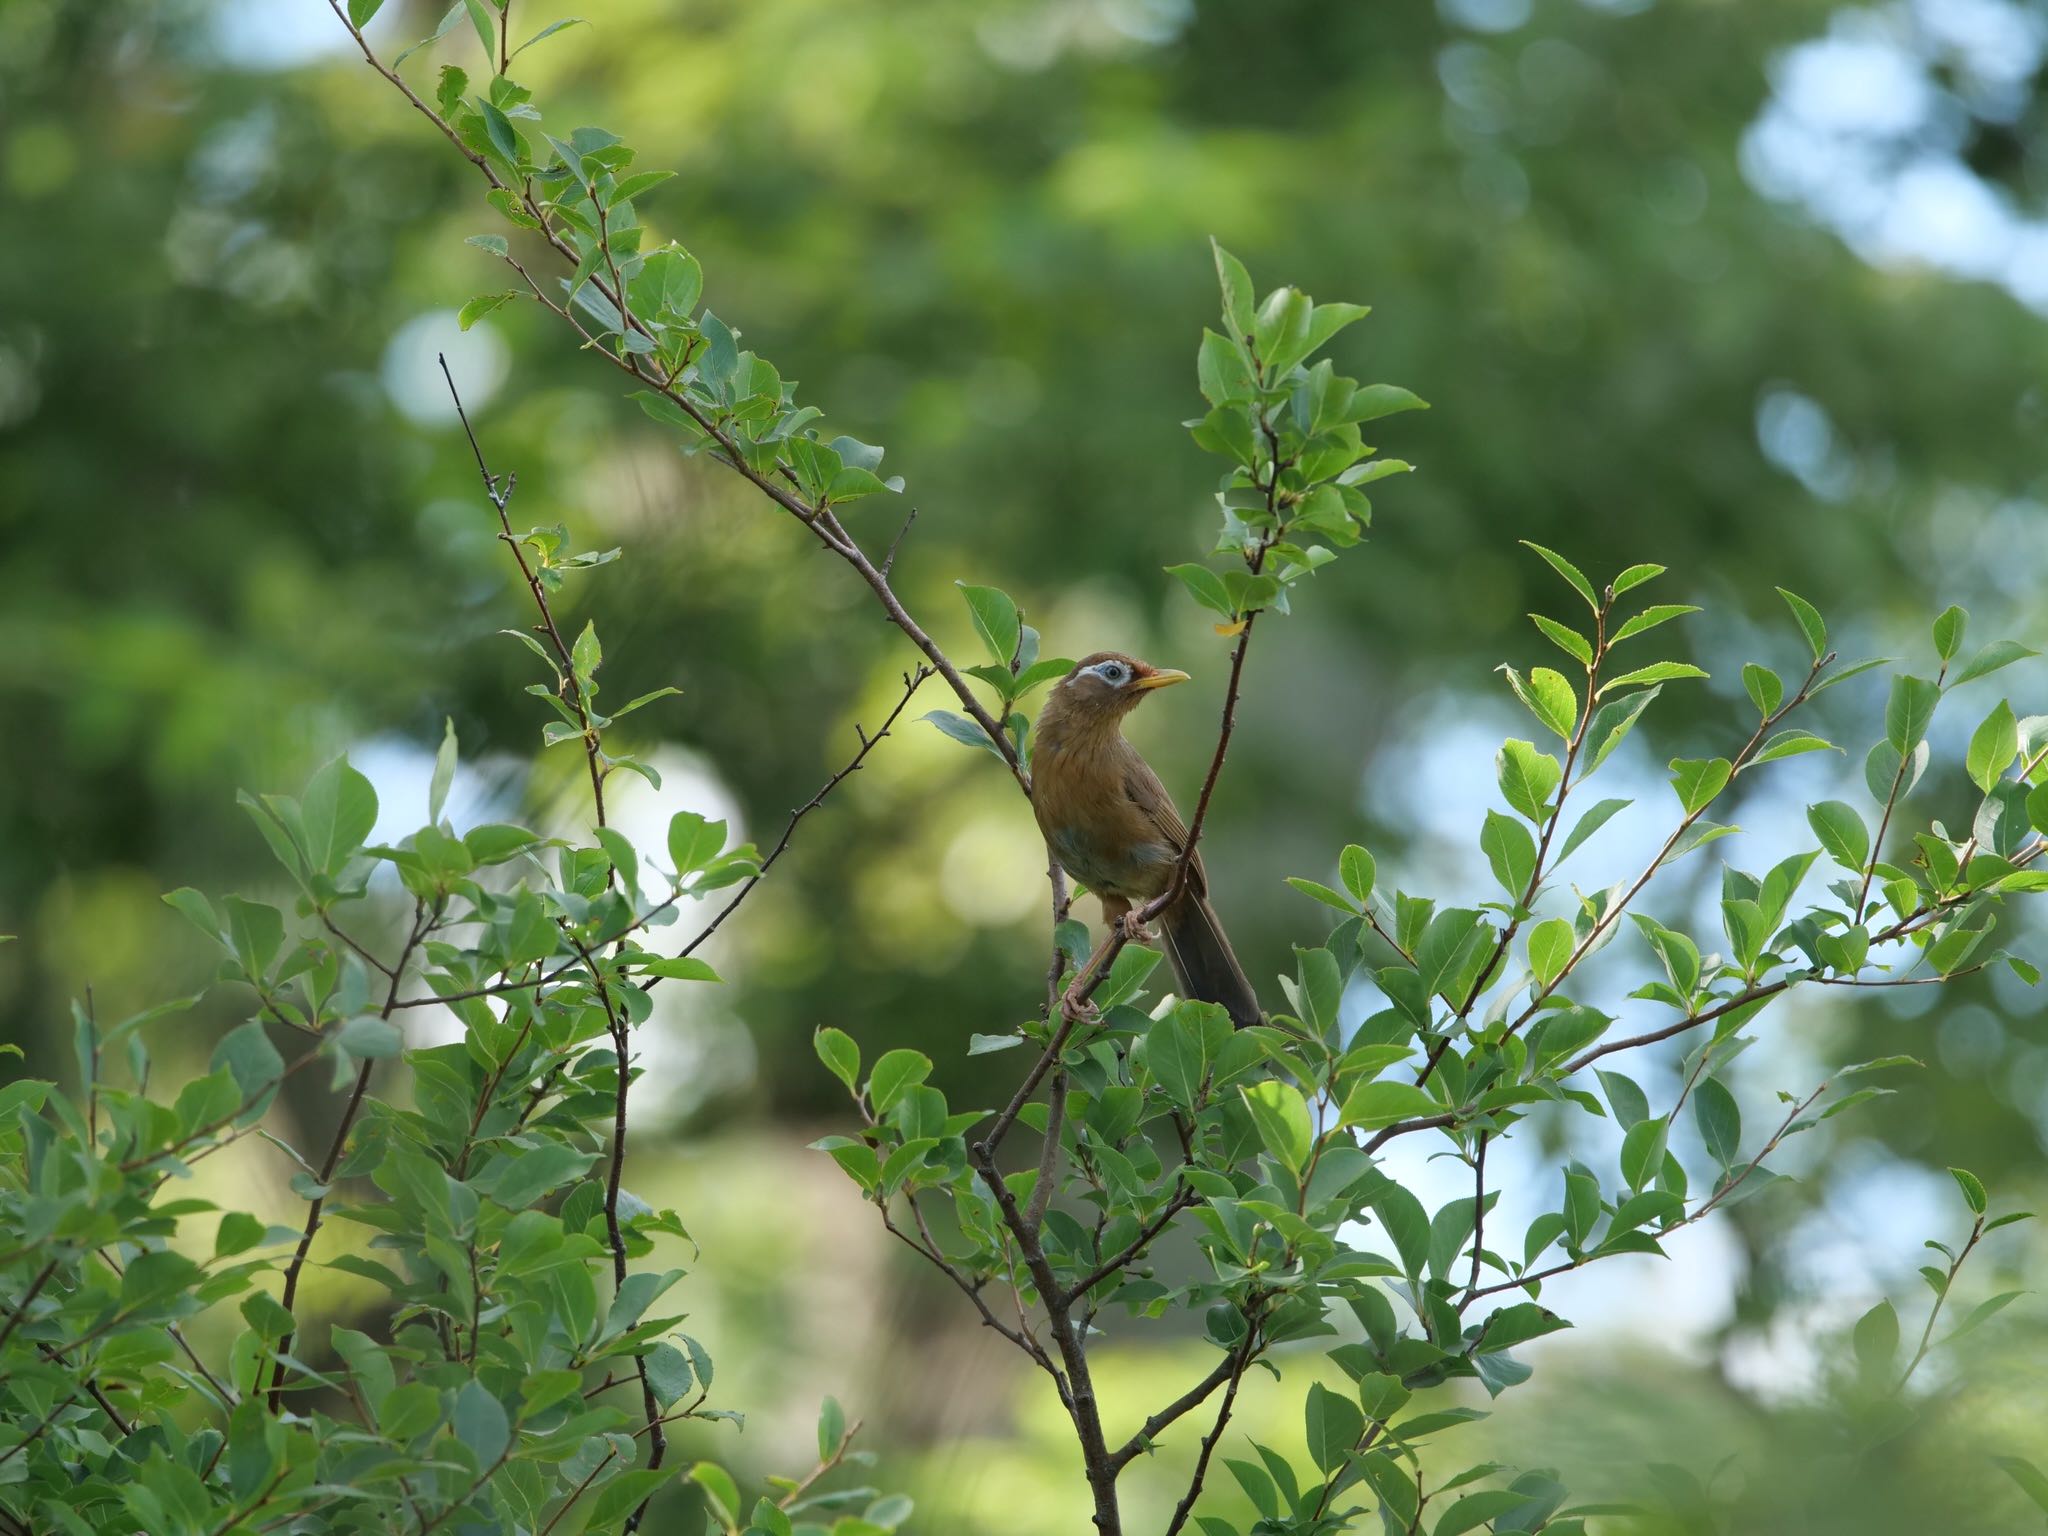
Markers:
(1791, 743)
(1516, 1324)
(1993, 747)
(361, 11)
(1650, 618)
(681, 968)
(195, 908)
(1983, 1312)
(1178, 1052)
(1511, 851)
(1238, 293)
(338, 811)
(1720, 1120)
(995, 619)
(831, 1429)
(1568, 571)
(1634, 576)
(1323, 893)
(1374, 1104)
(1841, 833)
(238, 1232)
(1762, 685)
(1614, 720)
(1222, 370)
(1550, 947)
(1528, 778)
(719, 1490)
(480, 1423)
(1876, 1338)
(1591, 822)
(1356, 868)
(1377, 400)
(1282, 1118)
(369, 1038)
(549, 31)
(497, 126)
(1548, 697)
(1476, 1509)
(444, 772)
(256, 932)
(1698, 782)
(480, 306)
(1335, 1425)
(1948, 632)
(1910, 709)
(1999, 653)
(693, 842)
(1570, 641)
(447, 25)
(1881, 771)
(535, 1172)
(895, 1075)
(1809, 621)
(1207, 587)
(2033, 1482)
(1972, 1188)
(963, 730)
(836, 1049)
(1656, 672)
(1642, 1151)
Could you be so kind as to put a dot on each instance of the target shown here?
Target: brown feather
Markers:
(1109, 822)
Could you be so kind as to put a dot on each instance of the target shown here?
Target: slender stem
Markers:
(422, 923)
(1705, 1208)
(568, 683)
(1240, 1362)
(912, 681)
(823, 1468)
(21, 1307)
(1941, 1296)
(1478, 1210)
(1048, 1153)
(1884, 822)
(1180, 1200)
(622, 1045)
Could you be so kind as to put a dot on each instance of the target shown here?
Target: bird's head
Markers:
(1110, 685)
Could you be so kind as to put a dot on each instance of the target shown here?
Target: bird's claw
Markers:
(1134, 929)
(1079, 1010)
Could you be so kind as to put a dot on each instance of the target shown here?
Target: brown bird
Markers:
(1110, 823)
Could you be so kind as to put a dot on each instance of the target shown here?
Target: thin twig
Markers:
(422, 923)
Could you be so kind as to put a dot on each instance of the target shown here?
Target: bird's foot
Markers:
(1134, 929)
(1078, 1011)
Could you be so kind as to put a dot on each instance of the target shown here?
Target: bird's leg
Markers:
(1117, 912)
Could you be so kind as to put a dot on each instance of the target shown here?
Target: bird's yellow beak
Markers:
(1165, 677)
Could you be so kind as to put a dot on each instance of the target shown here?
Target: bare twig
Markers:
(912, 681)
(1240, 1361)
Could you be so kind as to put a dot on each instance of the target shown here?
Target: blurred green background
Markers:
(1757, 289)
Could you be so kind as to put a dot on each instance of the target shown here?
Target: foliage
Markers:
(1260, 1143)
(525, 1370)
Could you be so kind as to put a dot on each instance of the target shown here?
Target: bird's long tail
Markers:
(1203, 960)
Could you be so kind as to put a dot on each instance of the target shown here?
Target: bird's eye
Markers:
(1112, 672)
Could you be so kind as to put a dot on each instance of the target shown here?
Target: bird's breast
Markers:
(1097, 832)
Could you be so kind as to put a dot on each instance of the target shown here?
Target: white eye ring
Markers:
(1112, 672)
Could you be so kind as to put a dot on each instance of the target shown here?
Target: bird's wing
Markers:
(1149, 795)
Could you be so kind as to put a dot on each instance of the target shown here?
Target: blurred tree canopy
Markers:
(239, 535)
